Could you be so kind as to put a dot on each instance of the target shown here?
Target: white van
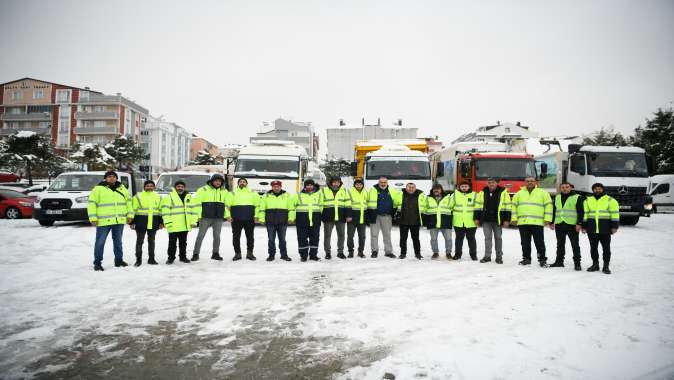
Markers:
(67, 197)
(662, 191)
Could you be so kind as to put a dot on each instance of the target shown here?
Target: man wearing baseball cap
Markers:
(274, 213)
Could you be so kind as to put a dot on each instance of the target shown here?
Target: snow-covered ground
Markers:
(357, 319)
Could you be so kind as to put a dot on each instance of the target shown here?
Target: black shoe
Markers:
(314, 258)
(303, 258)
(449, 256)
(98, 268)
(374, 255)
(401, 257)
(184, 260)
(456, 257)
(525, 262)
(138, 263)
(195, 257)
(485, 259)
(543, 264)
(341, 256)
(270, 258)
(576, 266)
(286, 258)
(250, 256)
(418, 257)
(350, 255)
(593, 268)
(328, 256)
(216, 256)
(499, 261)
(237, 257)
(170, 261)
(151, 261)
(435, 256)
(361, 255)
(121, 264)
(474, 258)
(557, 264)
(606, 270)
(393, 256)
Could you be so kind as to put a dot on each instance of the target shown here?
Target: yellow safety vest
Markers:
(148, 204)
(533, 208)
(108, 207)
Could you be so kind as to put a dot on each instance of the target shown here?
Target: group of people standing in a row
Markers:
(349, 211)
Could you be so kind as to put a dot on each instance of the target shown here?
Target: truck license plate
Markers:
(54, 212)
(626, 207)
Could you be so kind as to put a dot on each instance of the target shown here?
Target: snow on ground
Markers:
(353, 319)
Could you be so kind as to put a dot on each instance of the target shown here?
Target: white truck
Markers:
(67, 197)
(264, 161)
(662, 192)
(624, 172)
(193, 180)
(400, 165)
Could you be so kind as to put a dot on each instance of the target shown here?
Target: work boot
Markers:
(418, 257)
(341, 256)
(525, 262)
(594, 267)
(435, 256)
(557, 264)
(401, 257)
(237, 256)
(485, 259)
(303, 258)
(195, 257)
(499, 260)
(392, 256)
(183, 259)
(138, 262)
(152, 261)
(449, 256)
(314, 258)
(98, 268)
(576, 266)
(361, 255)
(286, 258)
(473, 257)
(270, 258)
(605, 269)
(121, 263)
(543, 264)
(250, 256)
(457, 256)
(170, 261)
(350, 255)
(328, 256)
(215, 256)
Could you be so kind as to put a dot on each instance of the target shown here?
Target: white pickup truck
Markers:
(67, 197)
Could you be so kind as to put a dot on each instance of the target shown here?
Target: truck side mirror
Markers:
(353, 167)
(544, 170)
(650, 164)
(465, 169)
(440, 170)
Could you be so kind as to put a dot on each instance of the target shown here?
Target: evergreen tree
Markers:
(126, 152)
(204, 158)
(31, 152)
(657, 138)
(336, 168)
(94, 156)
(606, 136)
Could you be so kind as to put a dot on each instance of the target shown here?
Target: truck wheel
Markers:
(46, 223)
(12, 213)
(629, 220)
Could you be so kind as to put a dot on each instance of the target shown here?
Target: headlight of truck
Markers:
(648, 206)
(83, 199)
(25, 204)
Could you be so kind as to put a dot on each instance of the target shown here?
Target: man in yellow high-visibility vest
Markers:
(146, 220)
(601, 215)
(531, 210)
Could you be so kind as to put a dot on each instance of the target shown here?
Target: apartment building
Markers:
(301, 133)
(199, 144)
(168, 145)
(342, 140)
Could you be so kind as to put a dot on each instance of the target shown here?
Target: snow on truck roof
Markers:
(273, 147)
(384, 142)
(625, 149)
(100, 173)
(396, 150)
(501, 154)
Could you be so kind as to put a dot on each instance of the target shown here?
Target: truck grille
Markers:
(56, 204)
(626, 195)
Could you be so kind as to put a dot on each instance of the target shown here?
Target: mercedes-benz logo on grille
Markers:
(622, 190)
(54, 202)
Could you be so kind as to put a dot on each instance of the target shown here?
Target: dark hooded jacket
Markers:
(409, 209)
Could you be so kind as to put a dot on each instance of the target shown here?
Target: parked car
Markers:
(31, 191)
(15, 205)
(9, 177)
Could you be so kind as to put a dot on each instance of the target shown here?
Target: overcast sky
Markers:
(221, 68)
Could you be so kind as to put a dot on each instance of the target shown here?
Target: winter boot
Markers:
(449, 256)
(328, 256)
(374, 254)
(270, 258)
(361, 255)
(350, 255)
(250, 256)
(138, 262)
(525, 262)
(418, 256)
(314, 258)
(341, 256)
(435, 256)
(183, 259)
(605, 269)
(499, 260)
(559, 263)
(170, 261)
(303, 258)
(594, 267)
(473, 257)
(216, 256)
(401, 257)
(543, 264)
(121, 263)
(392, 256)
(576, 266)
(98, 268)
(485, 259)
(286, 258)
(152, 261)
(237, 256)
(195, 257)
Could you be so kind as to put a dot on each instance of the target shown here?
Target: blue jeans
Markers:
(272, 231)
(102, 235)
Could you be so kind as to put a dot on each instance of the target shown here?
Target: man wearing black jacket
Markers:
(492, 210)
(411, 208)
(567, 221)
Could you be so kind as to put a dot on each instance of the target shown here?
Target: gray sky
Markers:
(221, 68)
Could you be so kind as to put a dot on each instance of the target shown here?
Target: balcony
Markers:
(37, 116)
(97, 115)
(100, 98)
(38, 130)
(96, 131)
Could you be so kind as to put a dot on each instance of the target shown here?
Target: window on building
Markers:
(39, 109)
(38, 94)
(17, 95)
(63, 96)
(84, 95)
(15, 110)
(99, 109)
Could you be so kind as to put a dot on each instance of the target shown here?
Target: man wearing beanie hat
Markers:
(336, 204)
(601, 218)
(306, 212)
(356, 223)
(274, 212)
(146, 220)
(109, 209)
(210, 204)
(178, 215)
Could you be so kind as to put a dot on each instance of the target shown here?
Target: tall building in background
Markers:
(301, 133)
(67, 114)
(342, 140)
(168, 145)
(199, 143)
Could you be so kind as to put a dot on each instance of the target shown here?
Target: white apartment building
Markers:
(168, 145)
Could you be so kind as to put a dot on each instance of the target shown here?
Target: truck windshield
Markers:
(504, 168)
(267, 167)
(76, 182)
(192, 181)
(617, 164)
(397, 169)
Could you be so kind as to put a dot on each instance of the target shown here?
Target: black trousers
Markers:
(526, 233)
(562, 231)
(469, 234)
(140, 237)
(181, 239)
(351, 230)
(414, 232)
(247, 226)
(595, 240)
(308, 239)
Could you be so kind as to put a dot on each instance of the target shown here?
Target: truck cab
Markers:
(400, 165)
(264, 161)
(67, 197)
(193, 181)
